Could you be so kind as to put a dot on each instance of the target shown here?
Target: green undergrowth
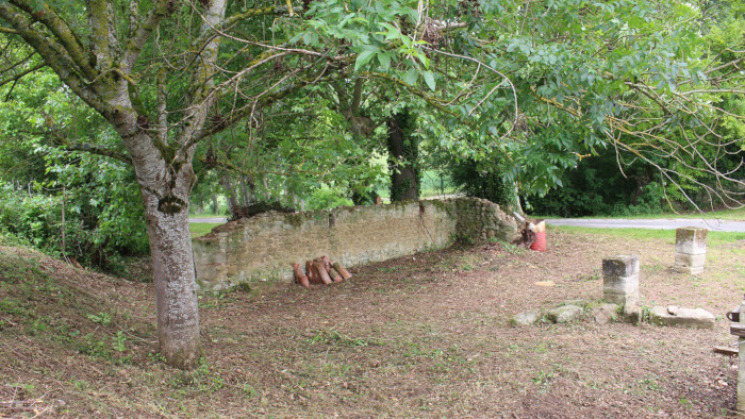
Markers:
(714, 237)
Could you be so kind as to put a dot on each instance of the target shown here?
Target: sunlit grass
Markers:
(200, 229)
(714, 237)
(735, 215)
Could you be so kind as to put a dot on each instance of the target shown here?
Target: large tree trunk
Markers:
(165, 191)
(402, 156)
(175, 281)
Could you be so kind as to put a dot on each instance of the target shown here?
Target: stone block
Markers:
(681, 317)
(526, 318)
(689, 270)
(565, 314)
(690, 240)
(740, 406)
(685, 259)
(621, 290)
(620, 266)
(621, 279)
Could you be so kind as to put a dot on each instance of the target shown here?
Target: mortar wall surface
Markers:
(263, 248)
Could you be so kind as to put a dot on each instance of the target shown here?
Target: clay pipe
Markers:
(300, 277)
(344, 273)
(323, 274)
(311, 273)
(335, 275)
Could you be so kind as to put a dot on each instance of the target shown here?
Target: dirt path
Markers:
(422, 336)
(429, 336)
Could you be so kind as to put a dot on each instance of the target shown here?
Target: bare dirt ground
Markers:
(419, 336)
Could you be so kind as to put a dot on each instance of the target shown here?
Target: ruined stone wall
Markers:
(263, 248)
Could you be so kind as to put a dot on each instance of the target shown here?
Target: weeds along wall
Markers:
(263, 248)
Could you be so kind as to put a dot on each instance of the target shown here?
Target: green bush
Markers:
(597, 187)
(327, 198)
(94, 235)
(481, 181)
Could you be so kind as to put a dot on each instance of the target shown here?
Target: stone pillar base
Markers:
(621, 280)
(690, 250)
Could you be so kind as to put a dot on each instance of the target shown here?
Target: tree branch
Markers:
(41, 12)
(20, 75)
(50, 51)
(102, 33)
(142, 33)
(357, 96)
(101, 151)
(204, 95)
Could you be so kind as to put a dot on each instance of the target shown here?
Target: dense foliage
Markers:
(597, 187)
(40, 179)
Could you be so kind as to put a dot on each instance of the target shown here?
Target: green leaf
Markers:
(430, 79)
(411, 76)
(363, 58)
(385, 60)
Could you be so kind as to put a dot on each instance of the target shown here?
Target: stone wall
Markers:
(263, 248)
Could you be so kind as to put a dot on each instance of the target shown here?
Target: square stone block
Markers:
(621, 266)
(621, 290)
(685, 260)
(689, 270)
(691, 240)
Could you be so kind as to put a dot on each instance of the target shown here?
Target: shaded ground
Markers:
(418, 336)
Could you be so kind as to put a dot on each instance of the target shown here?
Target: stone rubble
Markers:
(605, 313)
(565, 314)
(526, 318)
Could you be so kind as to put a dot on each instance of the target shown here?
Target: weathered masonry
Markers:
(262, 248)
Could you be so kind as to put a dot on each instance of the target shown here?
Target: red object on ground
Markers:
(539, 245)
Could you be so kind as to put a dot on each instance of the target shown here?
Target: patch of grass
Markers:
(543, 378)
(201, 229)
(512, 248)
(11, 240)
(734, 215)
(335, 338)
(594, 276)
(714, 237)
(204, 379)
(100, 318)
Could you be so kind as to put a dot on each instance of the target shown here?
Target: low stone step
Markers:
(684, 317)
